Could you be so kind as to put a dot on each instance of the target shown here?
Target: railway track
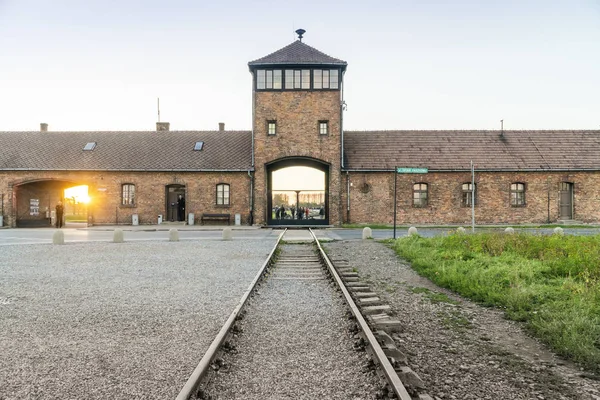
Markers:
(293, 343)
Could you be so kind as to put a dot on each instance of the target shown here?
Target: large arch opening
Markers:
(35, 204)
(297, 192)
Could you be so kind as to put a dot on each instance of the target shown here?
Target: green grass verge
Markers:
(552, 283)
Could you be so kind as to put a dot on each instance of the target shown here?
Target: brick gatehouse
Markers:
(298, 107)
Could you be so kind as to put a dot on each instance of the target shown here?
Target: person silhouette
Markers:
(59, 214)
(181, 208)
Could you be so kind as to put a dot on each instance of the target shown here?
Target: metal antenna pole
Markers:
(472, 197)
(158, 105)
(395, 184)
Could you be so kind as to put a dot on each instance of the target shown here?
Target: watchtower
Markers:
(297, 121)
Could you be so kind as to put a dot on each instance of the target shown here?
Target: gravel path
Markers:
(115, 321)
(461, 350)
(295, 344)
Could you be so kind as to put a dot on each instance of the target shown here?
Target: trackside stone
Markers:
(412, 231)
(509, 231)
(118, 236)
(367, 233)
(227, 234)
(559, 231)
(58, 237)
(173, 235)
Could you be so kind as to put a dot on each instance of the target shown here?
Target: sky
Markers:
(418, 64)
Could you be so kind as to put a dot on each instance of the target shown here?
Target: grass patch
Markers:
(551, 283)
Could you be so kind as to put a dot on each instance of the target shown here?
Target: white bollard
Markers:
(118, 236)
(460, 230)
(412, 231)
(559, 231)
(58, 237)
(173, 235)
(509, 231)
(227, 234)
(367, 233)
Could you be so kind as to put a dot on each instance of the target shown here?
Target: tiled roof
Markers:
(297, 53)
(454, 150)
(126, 151)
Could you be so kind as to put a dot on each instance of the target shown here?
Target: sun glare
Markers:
(78, 193)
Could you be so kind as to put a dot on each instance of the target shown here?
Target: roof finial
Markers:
(300, 32)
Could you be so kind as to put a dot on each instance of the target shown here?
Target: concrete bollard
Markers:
(367, 233)
(412, 231)
(559, 231)
(227, 234)
(460, 230)
(58, 237)
(173, 235)
(118, 236)
(509, 231)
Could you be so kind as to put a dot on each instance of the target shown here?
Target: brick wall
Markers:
(297, 114)
(105, 192)
(372, 194)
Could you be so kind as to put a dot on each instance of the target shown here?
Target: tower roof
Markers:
(297, 53)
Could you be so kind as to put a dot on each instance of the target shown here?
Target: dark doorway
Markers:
(297, 192)
(172, 205)
(566, 200)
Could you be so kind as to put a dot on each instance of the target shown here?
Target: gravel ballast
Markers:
(295, 344)
(460, 349)
(115, 321)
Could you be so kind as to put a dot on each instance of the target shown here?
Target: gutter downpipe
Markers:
(348, 197)
(251, 221)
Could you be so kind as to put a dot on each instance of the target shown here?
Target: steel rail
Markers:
(191, 386)
(388, 370)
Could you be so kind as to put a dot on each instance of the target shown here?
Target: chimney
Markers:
(162, 126)
(221, 126)
(43, 127)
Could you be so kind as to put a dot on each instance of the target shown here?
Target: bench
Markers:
(216, 217)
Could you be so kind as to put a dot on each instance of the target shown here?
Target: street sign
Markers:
(401, 170)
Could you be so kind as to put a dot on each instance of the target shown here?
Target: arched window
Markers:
(222, 194)
(128, 194)
(517, 194)
(469, 196)
(420, 195)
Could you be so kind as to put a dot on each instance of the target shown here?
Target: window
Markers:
(128, 194)
(271, 127)
(468, 195)
(420, 195)
(268, 79)
(297, 79)
(222, 194)
(326, 79)
(517, 194)
(323, 127)
(198, 146)
(89, 146)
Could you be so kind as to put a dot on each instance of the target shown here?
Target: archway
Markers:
(297, 192)
(34, 203)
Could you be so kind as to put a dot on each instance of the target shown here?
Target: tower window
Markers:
(272, 127)
(268, 79)
(323, 127)
(326, 79)
(297, 79)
